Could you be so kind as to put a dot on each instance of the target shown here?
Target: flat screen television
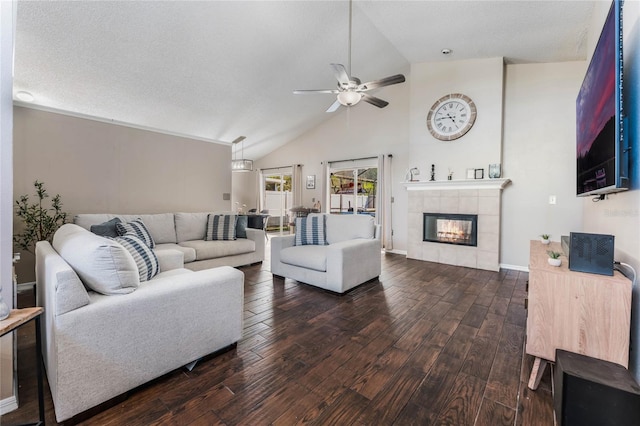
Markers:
(602, 154)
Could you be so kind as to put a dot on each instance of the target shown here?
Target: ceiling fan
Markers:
(350, 89)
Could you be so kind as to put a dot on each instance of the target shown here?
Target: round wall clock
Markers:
(451, 117)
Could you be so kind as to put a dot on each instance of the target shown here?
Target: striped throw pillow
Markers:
(137, 228)
(221, 227)
(310, 231)
(146, 259)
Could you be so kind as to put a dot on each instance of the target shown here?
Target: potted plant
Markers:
(554, 258)
(544, 238)
(39, 222)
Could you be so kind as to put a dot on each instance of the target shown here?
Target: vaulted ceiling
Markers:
(220, 69)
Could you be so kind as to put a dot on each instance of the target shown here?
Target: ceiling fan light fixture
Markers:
(349, 98)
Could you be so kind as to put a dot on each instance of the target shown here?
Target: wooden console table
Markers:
(588, 314)
(16, 319)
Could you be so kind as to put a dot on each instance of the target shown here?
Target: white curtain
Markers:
(383, 198)
(326, 187)
(260, 186)
(296, 183)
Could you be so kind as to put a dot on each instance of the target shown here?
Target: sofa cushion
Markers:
(310, 231)
(214, 249)
(161, 226)
(189, 253)
(137, 228)
(103, 265)
(343, 227)
(106, 229)
(221, 227)
(146, 260)
(191, 226)
(309, 257)
(85, 220)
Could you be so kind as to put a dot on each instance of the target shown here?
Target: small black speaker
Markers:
(591, 253)
(593, 392)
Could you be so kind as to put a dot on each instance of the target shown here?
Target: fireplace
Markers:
(459, 229)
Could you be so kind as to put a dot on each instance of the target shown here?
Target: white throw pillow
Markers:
(343, 227)
(103, 265)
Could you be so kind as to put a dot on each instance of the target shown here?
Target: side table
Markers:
(16, 319)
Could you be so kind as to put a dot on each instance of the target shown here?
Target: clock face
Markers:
(451, 117)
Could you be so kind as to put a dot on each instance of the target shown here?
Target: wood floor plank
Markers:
(535, 407)
(502, 385)
(463, 402)
(425, 344)
(495, 414)
(388, 403)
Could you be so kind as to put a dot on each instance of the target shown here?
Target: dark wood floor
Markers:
(426, 344)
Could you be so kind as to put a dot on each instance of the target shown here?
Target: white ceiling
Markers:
(220, 69)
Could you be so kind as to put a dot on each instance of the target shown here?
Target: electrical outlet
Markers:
(552, 199)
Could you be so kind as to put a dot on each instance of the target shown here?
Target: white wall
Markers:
(539, 155)
(357, 132)
(619, 214)
(7, 397)
(101, 167)
(482, 81)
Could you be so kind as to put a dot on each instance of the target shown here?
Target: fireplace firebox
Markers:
(459, 229)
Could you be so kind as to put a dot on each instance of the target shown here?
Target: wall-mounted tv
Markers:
(602, 154)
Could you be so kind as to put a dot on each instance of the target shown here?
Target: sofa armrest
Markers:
(343, 255)
(277, 244)
(258, 237)
(169, 259)
(112, 345)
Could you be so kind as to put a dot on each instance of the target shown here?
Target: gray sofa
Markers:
(185, 232)
(351, 256)
(98, 346)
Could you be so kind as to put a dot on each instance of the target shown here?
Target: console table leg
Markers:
(39, 371)
(539, 365)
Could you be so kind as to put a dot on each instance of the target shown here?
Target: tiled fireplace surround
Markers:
(481, 197)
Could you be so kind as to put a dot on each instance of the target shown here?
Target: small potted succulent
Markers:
(544, 238)
(554, 258)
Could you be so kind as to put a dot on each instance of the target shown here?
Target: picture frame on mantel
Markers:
(471, 173)
(311, 182)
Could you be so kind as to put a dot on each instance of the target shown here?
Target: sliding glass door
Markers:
(353, 187)
(277, 198)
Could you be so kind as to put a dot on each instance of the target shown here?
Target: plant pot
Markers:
(543, 241)
(554, 262)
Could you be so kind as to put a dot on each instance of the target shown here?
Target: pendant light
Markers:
(240, 165)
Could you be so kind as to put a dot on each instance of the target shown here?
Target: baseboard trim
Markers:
(25, 286)
(514, 267)
(402, 252)
(7, 405)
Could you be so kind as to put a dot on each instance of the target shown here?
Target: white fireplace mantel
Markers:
(456, 184)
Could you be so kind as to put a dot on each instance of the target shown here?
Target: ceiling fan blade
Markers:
(313, 92)
(374, 101)
(341, 74)
(334, 106)
(388, 81)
